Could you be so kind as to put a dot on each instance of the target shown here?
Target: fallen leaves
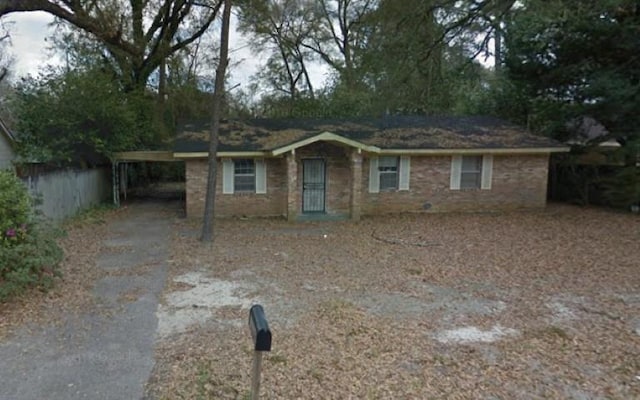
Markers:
(71, 294)
(355, 308)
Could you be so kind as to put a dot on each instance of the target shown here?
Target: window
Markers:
(389, 174)
(471, 172)
(244, 175)
(388, 170)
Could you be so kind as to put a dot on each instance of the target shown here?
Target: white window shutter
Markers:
(456, 171)
(374, 176)
(227, 176)
(261, 176)
(487, 171)
(405, 171)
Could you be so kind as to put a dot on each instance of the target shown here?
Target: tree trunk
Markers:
(209, 205)
(497, 37)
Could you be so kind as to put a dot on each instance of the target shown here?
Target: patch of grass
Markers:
(316, 374)
(203, 378)
(277, 359)
(336, 308)
(552, 331)
(413, 271)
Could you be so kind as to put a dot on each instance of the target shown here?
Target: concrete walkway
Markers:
(106, 354)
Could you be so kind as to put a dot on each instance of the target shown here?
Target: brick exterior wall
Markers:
(519, 181)
(273, 203)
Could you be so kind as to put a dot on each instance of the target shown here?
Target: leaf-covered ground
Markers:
(81, 241)
(528, 305)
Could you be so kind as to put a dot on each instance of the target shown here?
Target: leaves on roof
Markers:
(387, 133)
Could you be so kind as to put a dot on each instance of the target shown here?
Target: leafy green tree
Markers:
(571, 59)
(407, 66)
(577, 58)
(82, 116)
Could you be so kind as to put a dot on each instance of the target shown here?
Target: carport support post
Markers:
(292, 186)
(356, 184)
(115, 175)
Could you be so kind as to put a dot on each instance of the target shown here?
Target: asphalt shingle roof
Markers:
(391, 132)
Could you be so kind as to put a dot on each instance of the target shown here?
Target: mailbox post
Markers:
(261, 336)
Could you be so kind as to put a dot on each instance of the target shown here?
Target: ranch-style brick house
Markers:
(348, 168)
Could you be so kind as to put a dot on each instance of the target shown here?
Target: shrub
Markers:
(15, 206)
(29, 254)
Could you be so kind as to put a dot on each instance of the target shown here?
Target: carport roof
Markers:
(401, 134)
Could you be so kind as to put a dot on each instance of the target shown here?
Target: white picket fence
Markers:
(63, 193)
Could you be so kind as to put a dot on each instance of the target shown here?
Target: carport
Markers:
(120, 162)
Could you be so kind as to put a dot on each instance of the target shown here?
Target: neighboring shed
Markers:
(7, 143)
(340, 168)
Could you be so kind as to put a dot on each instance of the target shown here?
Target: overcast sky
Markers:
(29, 31)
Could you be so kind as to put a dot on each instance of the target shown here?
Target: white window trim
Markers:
(228, 173)
(374, 177)
(227, 176)
(487, 172)
(404, 173)
(261, 176)
(485, 179)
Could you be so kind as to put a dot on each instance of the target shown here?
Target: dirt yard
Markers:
(527, 305)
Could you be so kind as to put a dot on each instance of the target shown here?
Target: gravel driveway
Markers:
(526, 305)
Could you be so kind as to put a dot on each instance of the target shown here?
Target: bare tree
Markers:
(138, 34)
(340, 33)
(283, 27)
(216, 111)
(5, 59)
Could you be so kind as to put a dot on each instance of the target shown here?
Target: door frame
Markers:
(324, 186)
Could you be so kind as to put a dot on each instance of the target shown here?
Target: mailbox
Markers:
(259, 329)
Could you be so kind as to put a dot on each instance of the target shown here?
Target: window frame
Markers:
(476, 172)
(486, 172)
(388, 170)
(248, 162)
(403, 174)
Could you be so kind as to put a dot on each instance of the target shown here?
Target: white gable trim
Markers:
(325, 136)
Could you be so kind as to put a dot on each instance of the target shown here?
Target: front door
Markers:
(313, 185)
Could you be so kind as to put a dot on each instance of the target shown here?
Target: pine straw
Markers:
(340, 308)
(71, 295)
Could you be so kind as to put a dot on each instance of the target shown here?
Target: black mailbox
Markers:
(259, 329)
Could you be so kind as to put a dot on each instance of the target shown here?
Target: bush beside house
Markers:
(29, 254)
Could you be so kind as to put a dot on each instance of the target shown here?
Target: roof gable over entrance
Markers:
(326, 137)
